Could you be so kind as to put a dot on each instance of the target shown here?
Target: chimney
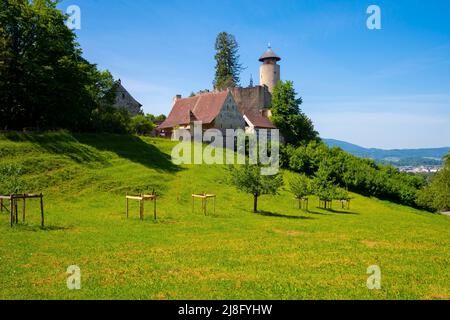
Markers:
(177, 97)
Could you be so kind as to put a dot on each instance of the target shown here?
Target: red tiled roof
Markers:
(258, 121)
(204, 107)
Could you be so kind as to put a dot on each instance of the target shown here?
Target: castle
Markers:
(235, 108)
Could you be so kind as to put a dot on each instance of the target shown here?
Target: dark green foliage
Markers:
(142, 125)
(436, 196)
(287, 116)
(248, 178)
(228, 67)
(44, 80)
(335, 166)
(111, 120)
(154, 118)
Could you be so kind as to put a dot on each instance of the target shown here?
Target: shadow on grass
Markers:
(279, 215)
(36, 228)
(335, 211)
(317, 213)
(84, 148)
(132, 148)
(61, 143)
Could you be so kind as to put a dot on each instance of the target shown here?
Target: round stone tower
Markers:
(269, 70)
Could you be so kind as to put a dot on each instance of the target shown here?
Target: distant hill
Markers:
(399, 157)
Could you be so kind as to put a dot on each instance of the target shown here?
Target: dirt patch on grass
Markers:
(372, 244)
(393, 245)
(289, 233)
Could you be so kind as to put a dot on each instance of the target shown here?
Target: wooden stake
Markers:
(23, 210)
(142, 207)
(126, 197)
(16, 208)
(11, 210)
(42, 210)
(154, 207)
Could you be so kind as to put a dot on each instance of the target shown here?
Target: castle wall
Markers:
(253, 99)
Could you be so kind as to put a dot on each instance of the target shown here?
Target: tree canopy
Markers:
(248, 178)
(44, 80)
(287, 116)
(228, 68)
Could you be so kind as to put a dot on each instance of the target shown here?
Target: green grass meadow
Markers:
(280, 253)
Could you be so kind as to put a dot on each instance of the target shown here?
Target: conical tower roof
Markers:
(269, 54)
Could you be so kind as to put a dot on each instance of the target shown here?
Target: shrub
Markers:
(141, 125)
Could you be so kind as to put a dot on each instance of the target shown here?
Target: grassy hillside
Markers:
(281, 253)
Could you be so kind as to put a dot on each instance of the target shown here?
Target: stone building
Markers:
(216, 110)
(124, 100)
(233, 108)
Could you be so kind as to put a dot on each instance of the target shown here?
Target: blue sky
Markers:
(387, 88)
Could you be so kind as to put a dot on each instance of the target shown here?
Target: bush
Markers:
(111, 120)
(358, 175)
(141, 125)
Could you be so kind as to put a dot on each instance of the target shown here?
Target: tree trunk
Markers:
(255, 203)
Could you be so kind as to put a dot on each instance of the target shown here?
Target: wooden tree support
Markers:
(303, 203)
(14, 207)
(204, 198)
(142, 198)
(345, 203)
(326, 204)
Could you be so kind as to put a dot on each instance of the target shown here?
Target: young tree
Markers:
(228, 67)
(324, 186)
(249, 179)
(294, 125)
(300, 186)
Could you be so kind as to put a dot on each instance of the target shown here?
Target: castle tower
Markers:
(269, 70)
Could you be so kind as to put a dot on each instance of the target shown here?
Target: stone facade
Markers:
(124, 100)
(229, 116)
(252, 99)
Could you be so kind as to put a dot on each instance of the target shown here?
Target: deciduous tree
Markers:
(248, 178)
(287, 116)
